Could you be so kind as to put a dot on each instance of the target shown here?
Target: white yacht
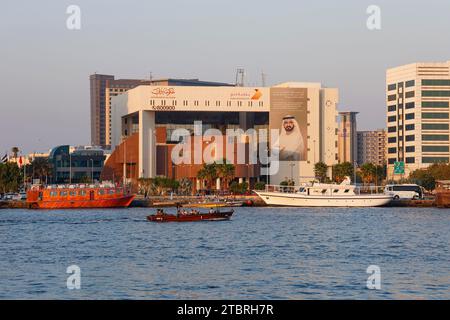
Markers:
(322, 195)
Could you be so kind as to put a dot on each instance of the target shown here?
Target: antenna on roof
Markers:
(263, 78)
(240, 77)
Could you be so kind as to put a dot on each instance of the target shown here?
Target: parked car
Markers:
(404, 191)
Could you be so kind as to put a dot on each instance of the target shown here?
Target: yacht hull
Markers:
(299, 200)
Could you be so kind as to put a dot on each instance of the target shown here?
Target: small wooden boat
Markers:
(215, 215)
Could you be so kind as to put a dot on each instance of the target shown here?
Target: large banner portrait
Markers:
(288, 114)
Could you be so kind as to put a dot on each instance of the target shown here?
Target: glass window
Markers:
(434, 115)
(82, 193)
(434, 159)
(392, 119)
(392, 108)
(63, 193)
(435, 82)
(410, 149)
(73, 193)
(392, 87)
(409, 127)
(429, 93)
(392, 129)
(409, 105)
(392, 97)
(435, 126)
(435, 137)
(435, 104)
(392, 139)
(409, 116)
(410, 138)
(392, 150)
(435, 148)
(392, 160)
(410, 160)
(409, 94)
(409, 83)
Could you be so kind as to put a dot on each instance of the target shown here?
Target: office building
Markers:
(417, 117)
(372, 147)
(347, 141)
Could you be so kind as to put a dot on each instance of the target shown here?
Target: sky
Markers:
(45, 67)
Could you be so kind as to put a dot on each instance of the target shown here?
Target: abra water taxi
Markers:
(190, 216)
(78, 196)
(322, 195)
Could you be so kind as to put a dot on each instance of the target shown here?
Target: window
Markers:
(410, 138)
(63, 193)
(409, 105)
(434, 115)
(409, 94)
(435, 82)
(409, 127)
(435, 126)
(428, 93)
(435, 137)
(435, 104)
(392, 97)
(392, 150)
(391, 160)
(101, 192)
(409, 116)
(435, 148)
(73, 193)
(392, 119)
(392, 129)
(410, 149)
(410, 159)
(410, 83)
(53, 193)
(81, 193)
(434, 159)
(392, 87)
(392, 139)
(392, 108)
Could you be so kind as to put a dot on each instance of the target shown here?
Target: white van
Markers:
(404, 191)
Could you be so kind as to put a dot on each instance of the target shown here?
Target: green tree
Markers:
(41, 168)
(209, 173)
(368, 172)
(342, 170)
(15, 152)
(427, 177)
(238, 188)
(260, 185)
(10, 177)
(320, 171)
(185, 186)
(225, 171)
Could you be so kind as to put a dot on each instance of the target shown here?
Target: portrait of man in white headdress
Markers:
(291, 145)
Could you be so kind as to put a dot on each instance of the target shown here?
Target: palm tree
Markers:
(15, 151)
(368, 172)
(208, 173)
(226, 171)
(41, 168)
(185, 186)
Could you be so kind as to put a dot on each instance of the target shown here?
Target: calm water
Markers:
(263, 253)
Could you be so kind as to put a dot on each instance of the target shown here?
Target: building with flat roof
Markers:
(103, 87)
(347, 141)
(372, 147)
(417, 117)
(303, 114)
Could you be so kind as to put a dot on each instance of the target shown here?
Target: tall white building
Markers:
(417, 98)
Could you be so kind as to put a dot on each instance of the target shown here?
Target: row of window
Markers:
(434, 115)
(207, 103)
(428, 93)
(425, 104)
(73, 193)
(424, 160)
(425, 137)
(408, 84)
(435, 82)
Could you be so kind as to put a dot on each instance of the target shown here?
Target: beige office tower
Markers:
(417, 98)
(347, 140)
(372, 147)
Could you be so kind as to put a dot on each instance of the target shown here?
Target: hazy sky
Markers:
(45, 67)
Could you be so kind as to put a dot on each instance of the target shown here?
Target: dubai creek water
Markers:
(262, 253)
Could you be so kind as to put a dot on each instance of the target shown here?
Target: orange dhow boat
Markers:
(78, 196)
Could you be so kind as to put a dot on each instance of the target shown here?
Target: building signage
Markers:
(399, 167)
